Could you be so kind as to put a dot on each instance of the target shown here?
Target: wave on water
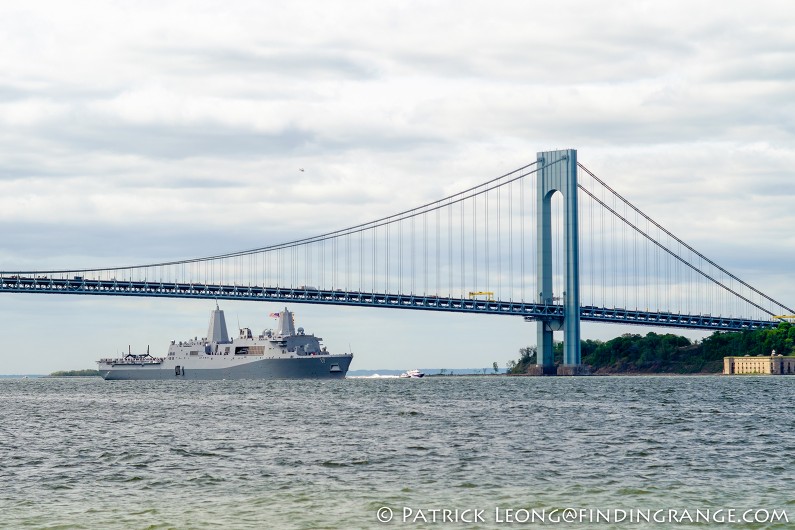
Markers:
(89, 453)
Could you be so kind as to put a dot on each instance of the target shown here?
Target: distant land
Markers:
(76, 373)
(429, 371)
(668, 353)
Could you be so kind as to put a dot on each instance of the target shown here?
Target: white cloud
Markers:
(29, 112)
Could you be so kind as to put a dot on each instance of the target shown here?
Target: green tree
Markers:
(526, 356)
(75, 373)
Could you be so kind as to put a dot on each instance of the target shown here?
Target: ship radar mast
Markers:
(286, 326)
(217, 331)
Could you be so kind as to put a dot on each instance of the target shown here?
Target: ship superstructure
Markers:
(281, 353)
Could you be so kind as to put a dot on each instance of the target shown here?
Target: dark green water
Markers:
(86, 453)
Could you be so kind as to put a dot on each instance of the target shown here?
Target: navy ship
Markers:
(281, 353)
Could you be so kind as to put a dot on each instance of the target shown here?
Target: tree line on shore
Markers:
(75, 373)
(669, 353)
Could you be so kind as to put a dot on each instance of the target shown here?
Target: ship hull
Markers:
(310, 367)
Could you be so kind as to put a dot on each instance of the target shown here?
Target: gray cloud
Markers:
(178, 141)
(316, 63)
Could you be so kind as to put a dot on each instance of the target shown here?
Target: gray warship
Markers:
(281, 353)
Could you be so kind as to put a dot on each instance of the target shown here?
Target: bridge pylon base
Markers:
(574, 369)
(542, 370)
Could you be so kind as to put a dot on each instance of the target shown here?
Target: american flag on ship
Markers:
(275, 315)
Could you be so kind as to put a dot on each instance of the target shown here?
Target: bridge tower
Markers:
(558, 173)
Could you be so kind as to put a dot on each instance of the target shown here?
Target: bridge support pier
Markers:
(558, 173)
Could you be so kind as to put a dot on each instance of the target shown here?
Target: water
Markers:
(87, 453)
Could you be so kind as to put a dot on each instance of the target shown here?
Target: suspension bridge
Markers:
(549, 242)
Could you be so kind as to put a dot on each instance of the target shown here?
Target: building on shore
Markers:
(773, 364)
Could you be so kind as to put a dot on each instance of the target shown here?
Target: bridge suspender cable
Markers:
(672, 253)
(652, 221)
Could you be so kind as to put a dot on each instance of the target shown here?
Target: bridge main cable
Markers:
(406, 214)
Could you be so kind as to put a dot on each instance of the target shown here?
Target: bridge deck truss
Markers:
(529, 311)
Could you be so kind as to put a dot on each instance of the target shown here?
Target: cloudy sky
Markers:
(146, 131)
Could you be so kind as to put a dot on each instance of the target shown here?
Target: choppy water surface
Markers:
(87, 453)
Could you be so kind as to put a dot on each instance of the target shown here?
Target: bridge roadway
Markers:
(530, 311)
